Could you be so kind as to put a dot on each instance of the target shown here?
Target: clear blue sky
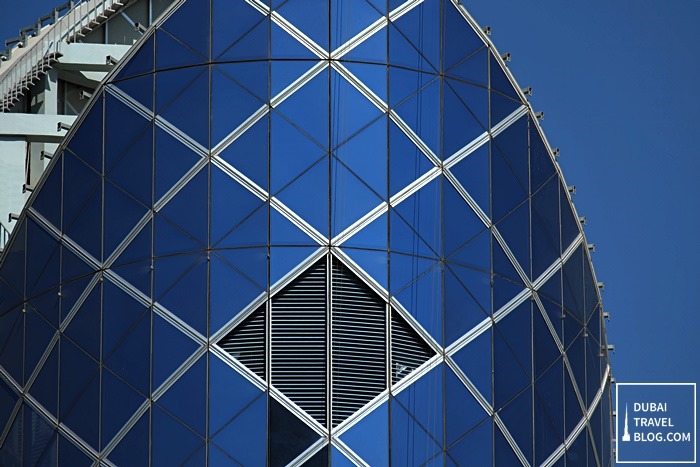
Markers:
(618, 82)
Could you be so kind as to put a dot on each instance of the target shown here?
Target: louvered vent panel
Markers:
(299, 342)
(358, 344)
(246, 342)
(408, 349)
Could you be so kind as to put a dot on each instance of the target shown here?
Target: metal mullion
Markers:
(329, 343)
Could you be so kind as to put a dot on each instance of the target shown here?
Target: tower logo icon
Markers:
(626, 434)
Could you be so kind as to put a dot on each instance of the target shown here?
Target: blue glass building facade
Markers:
(304, 232)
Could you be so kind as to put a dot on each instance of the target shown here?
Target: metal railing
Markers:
(38, 47)
(4, 237)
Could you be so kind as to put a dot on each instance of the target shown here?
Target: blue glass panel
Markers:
(173, 53)
(421, 26)
(130, 360)
(573, 284)
(39, 436)
(244, 437)
(474, 98)
(11, 451)
(374, 235)
(405, 240)
(461, 224)
(227, 88)
(500, 82)
(593, 370)
(371, 50)
(410, 444)
(504, 454)
(223, 382)
(8, 398)
(406, 161)
(188, 209)
(220, 458)
(44, 388)
(235, 43)
(141, 62)
(501, 107)
(133, 449)
(310, 16)
(475, 254)
(515, 230)
(86, 229)
(190, 24)
(545, 350)
(247, 233)
(79, 182)
(140, 89)
(284, 259)
(420, 112)
(43, 260)
(350, 110)
(369, 438)
(517, 417)
(572, 408)
(549, 406)
(139, 248)
(350, 198)
(552, 291)
(137, 274)
(576, 450)
(474, 360)
(423, 400)
(406, 268)
(291, 152)
(288, 436)
(570, 227)
(502, 265)
(249, 153)
(423, 300)
(572, 329)
(476, 448)
(243, 270)
(12, 342)
(48, 199)
(170, 349)
(595, 324)
(422, 211)
(84, 328)
(406, 82)
(473, 69)
(172, 442)
(186, 399)
(460, 125)
(70, 292)
(374, 263)
(307, 196)
(186, 297)
(462, 411)
(122, 214)
(170, 239)
(513, 146)
(172, 161)
(337, 458)
(509, 375)
(477, 283)
(591, 298)
(506, 190)
(120, 314)
(119, 402)
(86, 143)
(188, 107)
(231, 204)
(348, 18)
(504, 290)
(69, 454)
(459, 39)
(86, 402)
(462, 312)
(541, 165)
(133, 169)
(37, 334)
(545, 250)
(284, 72)
(285, 46)
(371, 75)
(133, 135)
(308, 108)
